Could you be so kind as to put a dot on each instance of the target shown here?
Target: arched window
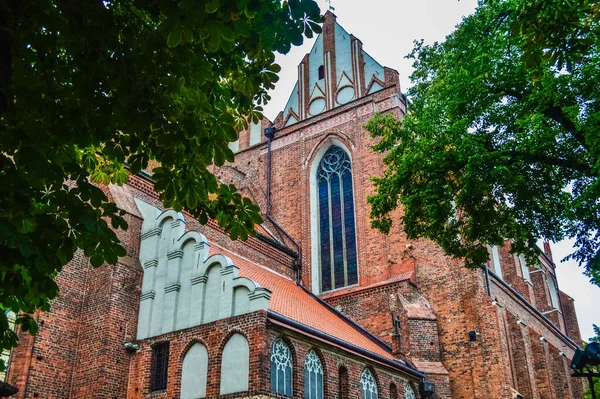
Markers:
(368, 385)
(321, 71)
(194, 371)
(410, 392)
(313, 376)
(393, 391)
(281, 368)
(337, 231)
(343, 383)
(235, 365)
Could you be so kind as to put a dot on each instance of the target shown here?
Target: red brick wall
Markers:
(332, 361)
(214, 336)
(571, 323)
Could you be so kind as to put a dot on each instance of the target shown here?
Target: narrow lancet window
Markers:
(337, 233)
(313, 376)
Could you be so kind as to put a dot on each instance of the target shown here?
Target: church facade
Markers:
(318, 305)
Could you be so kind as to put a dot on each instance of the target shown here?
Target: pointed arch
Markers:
(368, 385)
(334, 260)
(282, 368)
(409, 392)
(313, 376)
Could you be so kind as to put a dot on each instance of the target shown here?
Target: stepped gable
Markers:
(335, 72)
(177, 259)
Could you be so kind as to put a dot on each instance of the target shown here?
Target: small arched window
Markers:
(393, 391)
(235, 365)
(313, 376)
(281, 368)
(410, 392)
(368, 385)
(343, 383)
(321, 72)
(194, 372)
(337, 230)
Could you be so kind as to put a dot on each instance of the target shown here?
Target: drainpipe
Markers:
(297, 263)
(487, 279)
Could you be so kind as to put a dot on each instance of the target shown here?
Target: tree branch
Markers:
(558, 115)
(554, 161)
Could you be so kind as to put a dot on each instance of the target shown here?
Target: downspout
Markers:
(487, 279)
(297, 263)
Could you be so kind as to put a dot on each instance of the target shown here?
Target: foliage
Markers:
(89, 87)
(501, 140)
(594, 369)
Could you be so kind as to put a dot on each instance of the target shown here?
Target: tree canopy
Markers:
(92, 91)
(502, 136)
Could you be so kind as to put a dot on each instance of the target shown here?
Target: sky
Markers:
(387, 29)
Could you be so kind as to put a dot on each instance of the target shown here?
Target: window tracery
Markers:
(410, 392)
(337, 230)
(313, 376)
(368, 385)
(281, 368)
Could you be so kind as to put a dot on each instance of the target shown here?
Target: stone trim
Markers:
(150, 233)
(151, 263)
(199, 279)
(147, 295)
(178, 253)
(260, 293)
(173, 287)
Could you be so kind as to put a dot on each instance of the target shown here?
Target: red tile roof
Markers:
(293, 302)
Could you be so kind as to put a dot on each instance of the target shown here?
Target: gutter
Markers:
(290, 324)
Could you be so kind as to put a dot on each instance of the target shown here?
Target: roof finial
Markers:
(331, 8)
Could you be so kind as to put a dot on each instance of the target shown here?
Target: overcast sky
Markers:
(387, 29)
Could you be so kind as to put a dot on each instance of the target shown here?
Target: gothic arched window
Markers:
(281, 368)
(337, 230)
(313, 376)
(368, 385)
(410, 392)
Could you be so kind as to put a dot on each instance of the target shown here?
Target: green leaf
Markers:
(174, 37)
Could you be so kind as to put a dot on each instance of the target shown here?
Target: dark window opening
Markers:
(160, 366)
(321, 72)
(343, 383)
(393, 391)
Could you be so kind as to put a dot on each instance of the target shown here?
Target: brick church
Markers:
(317, 305)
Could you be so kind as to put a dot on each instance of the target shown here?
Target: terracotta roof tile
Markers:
(291, 301)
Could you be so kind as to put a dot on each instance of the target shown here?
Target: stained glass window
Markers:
(410, 392)
(313, 376)
(281, 368)
(368, 385)
(337, 230)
